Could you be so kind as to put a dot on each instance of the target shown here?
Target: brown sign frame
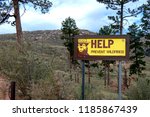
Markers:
(125, 58)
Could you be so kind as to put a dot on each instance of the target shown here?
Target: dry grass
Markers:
(4, 87)
(62, 87)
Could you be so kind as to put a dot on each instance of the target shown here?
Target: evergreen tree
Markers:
(69, 31)
(136, 50)
(122, 13)
(8, 6)
(146, 25)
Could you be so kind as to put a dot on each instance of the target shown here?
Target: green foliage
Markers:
(146, 23)
(136, 50)
(107, 30)
(145, 19)
(119, 6)
(6, 8)
(69, 31)
(140, 90)
(43, 5)
(115, 4)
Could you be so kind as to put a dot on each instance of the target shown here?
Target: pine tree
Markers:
(69, 31)
(122, 13)
(7, 7)
(136, 50)
(146, 25)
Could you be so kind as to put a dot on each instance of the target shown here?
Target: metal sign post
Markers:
(120, 81)
(106, 47)
(83, 79)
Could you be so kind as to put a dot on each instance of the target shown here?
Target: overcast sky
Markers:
(88, 14)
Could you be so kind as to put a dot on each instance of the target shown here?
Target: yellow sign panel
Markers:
(102, 47)
(105, 47)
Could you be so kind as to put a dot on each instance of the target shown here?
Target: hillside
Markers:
(44, 71)
(52, 37)
(46, 61)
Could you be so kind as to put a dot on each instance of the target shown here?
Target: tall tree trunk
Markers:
(121, 31)
(105, 77)
(18, 22)
(121, 19)
(108, 78)
(70, 67)
(119, 65)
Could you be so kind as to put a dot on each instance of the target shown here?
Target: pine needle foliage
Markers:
(136, 50)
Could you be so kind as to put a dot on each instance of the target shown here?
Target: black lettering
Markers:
(50, 109)
(46, 110)
(66, 110)
(18, 109)
(38, 110)
(61, 110)
(14, 110)
(55, 110)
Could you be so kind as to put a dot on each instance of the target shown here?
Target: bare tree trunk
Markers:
(108, 78)
(105, 77)
(78, 81)
(18, 22)
(70, 67)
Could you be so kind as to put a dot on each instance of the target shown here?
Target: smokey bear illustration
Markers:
(82, 48)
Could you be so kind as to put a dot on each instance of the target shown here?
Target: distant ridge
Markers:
(44, 36)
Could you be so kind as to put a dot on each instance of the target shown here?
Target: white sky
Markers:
(88, 14)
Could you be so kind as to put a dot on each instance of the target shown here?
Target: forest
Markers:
(42, 63)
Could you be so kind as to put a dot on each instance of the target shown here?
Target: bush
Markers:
(140, 90)
(24, 68)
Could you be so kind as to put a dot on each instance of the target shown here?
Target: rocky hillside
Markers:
(46, 36)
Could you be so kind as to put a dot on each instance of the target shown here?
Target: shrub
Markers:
(24, 68)
(140, 90)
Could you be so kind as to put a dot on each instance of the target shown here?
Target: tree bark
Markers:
(18, 22)
(108, 77)
(105, 77)
(121, 19)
